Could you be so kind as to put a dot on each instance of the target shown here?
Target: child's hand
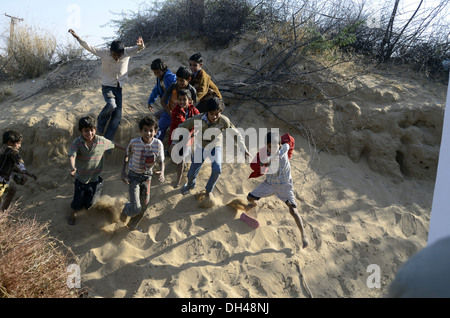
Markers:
(139, 41)
(161, 175)
(31, 175)
(74, 34)
(150, 108)
(125, 178)
(72, 173)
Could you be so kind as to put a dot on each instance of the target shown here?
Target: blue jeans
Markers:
(164, 123)
(139, 190)
(86, 194)
(112, 111)
(216, 168)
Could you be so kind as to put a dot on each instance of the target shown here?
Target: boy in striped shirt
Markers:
(141, 155)
(86, 163)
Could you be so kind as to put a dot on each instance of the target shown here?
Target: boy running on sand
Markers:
(86, 163)
(11, 161)
(114, 75)
(141, 155)
(277, 182)
(184, 110)
(213, 119)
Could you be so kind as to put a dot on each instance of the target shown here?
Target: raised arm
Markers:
(133, 50)
(97, 52)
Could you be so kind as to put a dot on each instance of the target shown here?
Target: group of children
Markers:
(187, 97)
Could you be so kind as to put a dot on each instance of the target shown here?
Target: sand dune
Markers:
(360, 203)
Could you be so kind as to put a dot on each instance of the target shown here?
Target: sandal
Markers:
(249, 220)
(71, 220)
(185, 189)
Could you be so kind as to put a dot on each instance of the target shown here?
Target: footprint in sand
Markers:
(163, 232)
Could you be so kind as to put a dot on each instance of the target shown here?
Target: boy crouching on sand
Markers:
(278, 181)
(141, 155)
(11, 161)
(86, 163)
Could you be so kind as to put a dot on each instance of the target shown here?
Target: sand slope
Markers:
(356, 215)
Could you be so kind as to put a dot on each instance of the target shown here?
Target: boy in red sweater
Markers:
(183, 110)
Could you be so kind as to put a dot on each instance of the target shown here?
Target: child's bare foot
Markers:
(252, 204)
(305, 241)
(71, 219)
(123, 217)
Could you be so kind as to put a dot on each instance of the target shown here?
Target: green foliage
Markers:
(322, 42)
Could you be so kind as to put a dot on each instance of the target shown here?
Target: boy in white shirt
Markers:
(114, 75)
(278, 181)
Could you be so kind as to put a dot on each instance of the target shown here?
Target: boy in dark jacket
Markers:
(202, 82)
(11, 161)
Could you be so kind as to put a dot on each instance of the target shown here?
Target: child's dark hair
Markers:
(197, 57)
(214, 103)
(150, 121)
(117, 46)
(86, 122)
(12, 136)
(158, 64)
(274, 138)
(184, 72)
(184, 92)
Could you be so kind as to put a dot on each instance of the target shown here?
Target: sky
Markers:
(89, 19)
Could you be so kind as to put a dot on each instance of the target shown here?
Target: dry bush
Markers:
(75, 74)
(72, 51)
(32, 264)
(5, 92)
(219, 21)
(31, 52)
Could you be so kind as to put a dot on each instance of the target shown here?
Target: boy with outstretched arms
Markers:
(114, 75)
(212, 119)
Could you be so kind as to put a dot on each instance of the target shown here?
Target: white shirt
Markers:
(113, 72)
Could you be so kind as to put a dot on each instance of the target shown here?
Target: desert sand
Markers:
(365, 197)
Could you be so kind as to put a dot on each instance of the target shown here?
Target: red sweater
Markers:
(179, 116)
(260, 169)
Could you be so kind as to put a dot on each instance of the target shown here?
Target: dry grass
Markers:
(31, 52)
(32, 264)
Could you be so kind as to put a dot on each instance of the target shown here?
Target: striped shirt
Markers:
(142, 156)
(89, 162)
(279, 171)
